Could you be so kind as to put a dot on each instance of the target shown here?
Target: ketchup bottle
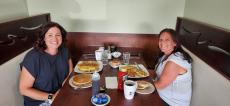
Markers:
(121, 77)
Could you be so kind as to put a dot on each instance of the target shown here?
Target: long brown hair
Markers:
(178, 47)
(40, 43)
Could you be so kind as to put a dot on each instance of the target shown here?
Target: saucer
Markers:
(150, 89)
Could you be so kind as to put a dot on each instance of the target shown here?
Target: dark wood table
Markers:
(82, 97)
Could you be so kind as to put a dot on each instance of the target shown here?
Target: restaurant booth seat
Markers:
(79, 43)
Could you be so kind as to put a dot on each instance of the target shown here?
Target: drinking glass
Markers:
(105, 57)
(98, 55)
(126, 57)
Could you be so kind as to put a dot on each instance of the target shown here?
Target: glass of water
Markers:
(105, 57)
(126, 57)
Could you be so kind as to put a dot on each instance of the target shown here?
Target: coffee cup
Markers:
(98, 55)
(130, 89)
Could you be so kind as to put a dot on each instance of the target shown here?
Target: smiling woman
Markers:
(173, 70)
(46, 67)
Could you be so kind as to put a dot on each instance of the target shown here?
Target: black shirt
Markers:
(48, 70)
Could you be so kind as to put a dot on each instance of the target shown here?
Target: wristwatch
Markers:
(50, 96)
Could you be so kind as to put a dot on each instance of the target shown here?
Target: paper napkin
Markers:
(111, 82)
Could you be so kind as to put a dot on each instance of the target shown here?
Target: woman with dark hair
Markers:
(46, 67)
(173, 69)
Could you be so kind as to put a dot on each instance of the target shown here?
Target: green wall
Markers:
(12, 9)
(113, 16)
(215, 12)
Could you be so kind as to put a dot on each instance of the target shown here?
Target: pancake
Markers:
(81, 79)
(88, 66)
(142, 85)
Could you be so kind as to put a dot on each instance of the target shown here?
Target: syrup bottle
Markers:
(95, 83)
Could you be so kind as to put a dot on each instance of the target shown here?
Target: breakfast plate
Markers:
(81, 81)
(88, 66)
(135, 71)
(145, 87)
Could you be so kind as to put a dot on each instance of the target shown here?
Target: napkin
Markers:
(111, 82)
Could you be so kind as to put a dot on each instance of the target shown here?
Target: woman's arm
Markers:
(70, 70)
(26, 86)
(169, 74)
(70, 65)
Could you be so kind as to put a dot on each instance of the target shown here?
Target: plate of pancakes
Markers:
(81, 81)
(144, 87)
(88, 66)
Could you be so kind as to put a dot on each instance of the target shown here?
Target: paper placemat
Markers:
(111, 82)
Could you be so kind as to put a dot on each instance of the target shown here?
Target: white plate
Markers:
(101, 104)
(78, 71)
(82, 86)
(141, 66)
(147, 90)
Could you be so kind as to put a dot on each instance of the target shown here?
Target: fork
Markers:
(138, 67)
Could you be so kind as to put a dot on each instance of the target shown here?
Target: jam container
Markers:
(121, 77)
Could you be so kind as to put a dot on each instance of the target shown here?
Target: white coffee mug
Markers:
(101, 48)
(98, 55)
(130, 88)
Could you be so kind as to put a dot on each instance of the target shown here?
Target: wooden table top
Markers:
(82, 97)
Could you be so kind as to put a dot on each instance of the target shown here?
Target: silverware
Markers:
(138, 67)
